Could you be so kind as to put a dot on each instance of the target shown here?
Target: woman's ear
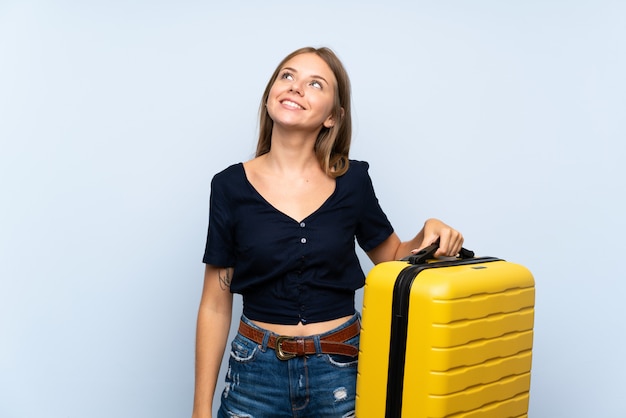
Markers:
(330, 121)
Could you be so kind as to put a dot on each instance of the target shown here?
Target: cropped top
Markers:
(290, 271)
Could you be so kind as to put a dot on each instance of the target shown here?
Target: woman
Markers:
(282, 230)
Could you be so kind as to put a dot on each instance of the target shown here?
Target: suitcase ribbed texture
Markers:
(469, 335)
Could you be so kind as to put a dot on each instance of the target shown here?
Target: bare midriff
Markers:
(302, 330)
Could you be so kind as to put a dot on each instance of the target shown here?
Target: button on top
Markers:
(302, 224)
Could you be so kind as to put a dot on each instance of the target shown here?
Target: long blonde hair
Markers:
(332, 145)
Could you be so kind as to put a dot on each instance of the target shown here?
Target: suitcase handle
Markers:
(428, 253)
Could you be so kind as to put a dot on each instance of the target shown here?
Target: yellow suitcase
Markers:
(446, 338)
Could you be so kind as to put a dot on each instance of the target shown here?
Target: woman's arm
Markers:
(214, 317)
(450, 242)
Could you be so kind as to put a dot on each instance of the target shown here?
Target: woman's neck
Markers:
(292, 153)
(285, 161)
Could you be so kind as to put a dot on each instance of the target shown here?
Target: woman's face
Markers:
(303, 94)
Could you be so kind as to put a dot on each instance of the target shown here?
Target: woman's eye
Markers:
(316, 84)
(286, 76)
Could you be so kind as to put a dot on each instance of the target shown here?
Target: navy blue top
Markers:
(292, 271)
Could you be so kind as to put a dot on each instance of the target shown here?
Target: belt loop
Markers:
(266, 338)
(318, 345)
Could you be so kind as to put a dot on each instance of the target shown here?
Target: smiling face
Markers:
(303, 94)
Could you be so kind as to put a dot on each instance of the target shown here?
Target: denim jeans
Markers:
(259, 385)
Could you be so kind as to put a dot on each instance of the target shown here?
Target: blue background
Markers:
(505, 119)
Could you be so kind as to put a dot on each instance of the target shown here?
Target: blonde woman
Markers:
(282, 232)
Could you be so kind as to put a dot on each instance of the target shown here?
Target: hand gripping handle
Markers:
(428, 253)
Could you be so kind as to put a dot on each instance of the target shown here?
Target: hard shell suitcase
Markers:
(446, 338)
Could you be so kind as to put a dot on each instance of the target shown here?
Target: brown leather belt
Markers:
(289, 347)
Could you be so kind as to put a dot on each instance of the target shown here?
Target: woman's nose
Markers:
(296, 88)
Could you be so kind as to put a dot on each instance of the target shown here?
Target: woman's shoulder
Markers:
(357, 169)
(232, 174)
(356, 176)
(359, 165)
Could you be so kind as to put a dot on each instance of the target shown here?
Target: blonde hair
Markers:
(332, 145)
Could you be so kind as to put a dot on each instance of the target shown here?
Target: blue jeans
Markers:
(259, 385)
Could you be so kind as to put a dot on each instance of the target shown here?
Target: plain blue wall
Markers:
(506, 119)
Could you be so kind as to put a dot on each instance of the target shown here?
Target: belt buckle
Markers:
(279, 348)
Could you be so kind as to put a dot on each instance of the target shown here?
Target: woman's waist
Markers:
(292, 341)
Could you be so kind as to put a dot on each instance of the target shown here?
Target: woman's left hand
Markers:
(450, 240)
